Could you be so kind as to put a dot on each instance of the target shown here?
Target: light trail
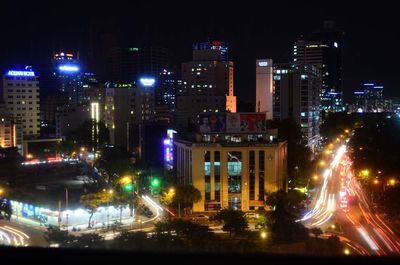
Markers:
(368, 239)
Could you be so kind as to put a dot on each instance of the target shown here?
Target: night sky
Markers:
(31, 31)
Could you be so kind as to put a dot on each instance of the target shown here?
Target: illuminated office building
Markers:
(264, 87)
(233, 161)
(296, 96)
(323, 49)
(20, 93)
(207, 86)
(370, 99)
(68, 75)
(10, 130)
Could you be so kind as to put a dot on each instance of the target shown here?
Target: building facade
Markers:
(21, 96)
(207, 86)
(10, 131)
(296, 96)
(264, 87)
(370, 99)
(323, 49)
(233, 165)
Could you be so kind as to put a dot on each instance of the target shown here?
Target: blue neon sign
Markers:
(20, 73)
(68, 68)
(147, 81)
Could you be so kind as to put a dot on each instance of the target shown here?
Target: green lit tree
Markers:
(92, 201)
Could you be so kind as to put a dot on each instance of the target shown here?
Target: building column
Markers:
(245, 180)
(270, 183)
(224, 179)
(256, 174)
(212, 176)
(198, 177)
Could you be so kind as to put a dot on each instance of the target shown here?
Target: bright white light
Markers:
(371, 243)
(335, 44)
(147, 81)
(95, 111)
(262, 64)
(68, 68)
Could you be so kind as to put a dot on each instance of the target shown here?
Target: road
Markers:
(341, 207)
(14, 234)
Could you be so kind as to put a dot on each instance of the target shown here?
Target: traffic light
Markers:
(128, 187)
(155, 183)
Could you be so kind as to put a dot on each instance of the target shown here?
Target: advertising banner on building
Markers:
(252, 122)
(233, 122)
(212, 123)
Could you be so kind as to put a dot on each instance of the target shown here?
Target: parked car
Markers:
(200, 217)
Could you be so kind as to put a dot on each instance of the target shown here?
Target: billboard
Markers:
(252, 122)
(212, 122)
(232, 122)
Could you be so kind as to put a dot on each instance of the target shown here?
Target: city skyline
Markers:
(249, 37)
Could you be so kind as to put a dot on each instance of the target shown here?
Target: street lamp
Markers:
(392, 182)
(346, 251)
(322, 163)
(263, 235)
(1, 191)
(376, 181)
(315, 177)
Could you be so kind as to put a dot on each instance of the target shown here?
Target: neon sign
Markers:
(262, 64)
(68, 68)
(20, 73)
(147, 81)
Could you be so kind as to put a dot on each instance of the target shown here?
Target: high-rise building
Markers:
(166, 91)
(323, 49)
(68, 76)
(296, 97)
(264, 87)
(370, 99)
(220, 46)
(129, 63)
(20, 93)
(233, 161)
(118, 114)
(207, 86)
(10, 130)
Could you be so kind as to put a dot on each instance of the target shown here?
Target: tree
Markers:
(114, 162)
(299, 156)
(316, 231)
(92, 201)
(283, 225)
(88, 241)
(54, 235)
(233, 221)
(5, 209)
(186, 196)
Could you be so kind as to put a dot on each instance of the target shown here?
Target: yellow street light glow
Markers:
(346, 252)
(330, 145)
(322, 163)
(315, 177)
(29, 156)
(333, 226)
(126, 180)
(171, 190)
(263, 235)
(1, 191)
(83, 149)
(360, 148)
(110, 191)
(392, 182)
(376, 181)
(346, 131)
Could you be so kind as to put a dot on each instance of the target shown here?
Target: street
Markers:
(340, 201)
(14, 234)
